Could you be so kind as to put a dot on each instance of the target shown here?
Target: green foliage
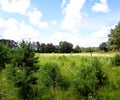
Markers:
(114, 38)
(5, 55)
(60, 77)
(103, 46)
(77, 49)
(89, 79)
(116, 60)
(11, 43)
(53, 77)
(22, 70)
(65, 47)
(49, 48)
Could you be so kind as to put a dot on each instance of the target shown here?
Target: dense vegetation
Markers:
(20, 65)
(27, 74)
(63, 47)
(113, 42)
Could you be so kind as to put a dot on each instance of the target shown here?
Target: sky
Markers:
(86, 23)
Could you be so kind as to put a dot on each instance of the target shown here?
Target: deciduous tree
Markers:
(114, 38)
(65, 47)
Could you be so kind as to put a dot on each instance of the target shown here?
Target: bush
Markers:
(89, 79)
(116, 60)
(53, 77)
(23, 66)
(5, 55)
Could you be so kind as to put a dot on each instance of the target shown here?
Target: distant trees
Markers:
(62, 47)
(103, 46)
(77, 49)
(113, 43)
(43, 46)
(114, 38)
(65, 47)
(50, 48)
(10, 43)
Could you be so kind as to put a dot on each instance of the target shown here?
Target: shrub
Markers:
(23, 67)
(89, 79)
(116, 60)
(53, 77)
(5, 55)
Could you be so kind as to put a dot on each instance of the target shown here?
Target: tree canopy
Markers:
(103, 46)
(65, 47)
(114, 38)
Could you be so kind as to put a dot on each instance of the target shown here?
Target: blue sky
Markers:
(83, 22)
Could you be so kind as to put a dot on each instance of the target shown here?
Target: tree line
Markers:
(63, 47)
(113, 44)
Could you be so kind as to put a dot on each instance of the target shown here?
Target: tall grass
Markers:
(70, 77)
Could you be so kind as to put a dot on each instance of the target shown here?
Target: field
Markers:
(71, 77)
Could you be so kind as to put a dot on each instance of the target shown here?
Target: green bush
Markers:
(23, 66)
(53, 77)
(116, 60)
(89, 79)
(5, 55)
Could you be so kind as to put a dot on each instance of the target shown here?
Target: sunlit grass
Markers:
(69, 65)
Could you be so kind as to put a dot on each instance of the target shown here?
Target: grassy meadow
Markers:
(70, 77)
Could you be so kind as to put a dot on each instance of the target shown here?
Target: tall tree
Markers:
(103, 46)
(10, 43)
(114, 37)
(36, 46)
(50, 48)
(65, 47)
(43, 47)
(77, 49)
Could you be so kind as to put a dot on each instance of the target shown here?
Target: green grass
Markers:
(69, 65)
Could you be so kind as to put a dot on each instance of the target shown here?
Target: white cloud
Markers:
(12, 29)
(35, 18)
(64, 36)
(96, 38)
(57, 37)
(102, 32)
(91, 42)
(63, 3)
(54, 22)
(99, 36)
(74, 39)
(15, 6)
(73, 17)
(101, 7)
(23, 7)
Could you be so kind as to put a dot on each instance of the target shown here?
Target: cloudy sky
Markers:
(82, 22)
